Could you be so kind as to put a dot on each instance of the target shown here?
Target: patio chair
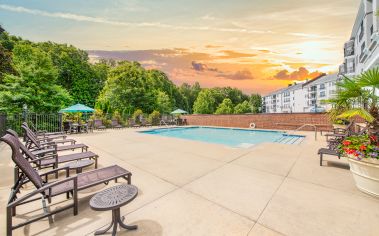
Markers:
(133, 124)
(98, 124)
(116, 125)
(46, 191)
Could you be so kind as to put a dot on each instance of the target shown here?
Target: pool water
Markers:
(227, 136)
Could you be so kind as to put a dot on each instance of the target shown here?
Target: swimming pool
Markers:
(227, 136)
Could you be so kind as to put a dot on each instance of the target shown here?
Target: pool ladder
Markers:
(309, 125)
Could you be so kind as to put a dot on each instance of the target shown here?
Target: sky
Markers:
(255, 45)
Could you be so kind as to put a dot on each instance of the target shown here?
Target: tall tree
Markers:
(34, 85)
(226, 107)
(256, 103)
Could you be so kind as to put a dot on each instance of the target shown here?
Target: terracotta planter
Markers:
(366, 175)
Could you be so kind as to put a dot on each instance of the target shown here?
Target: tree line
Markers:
(47, 77)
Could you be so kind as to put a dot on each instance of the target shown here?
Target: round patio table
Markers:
(79, 165)
(112, 199)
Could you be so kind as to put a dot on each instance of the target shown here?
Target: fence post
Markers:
(60, 121)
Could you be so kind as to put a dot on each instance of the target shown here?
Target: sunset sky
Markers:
(254, 45)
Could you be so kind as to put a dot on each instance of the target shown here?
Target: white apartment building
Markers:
(361, 52)
(302, 97)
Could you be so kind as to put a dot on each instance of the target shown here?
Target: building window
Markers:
(322, 86)
(322, 94)
(363, 46)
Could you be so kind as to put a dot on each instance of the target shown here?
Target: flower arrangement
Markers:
(359, 147)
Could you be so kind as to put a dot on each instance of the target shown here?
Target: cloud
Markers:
(84, 18)
(213, 46)
(229, 54)
(197, 66)
(239, 75)
(301, 74)
(313, 36)
(208, 17)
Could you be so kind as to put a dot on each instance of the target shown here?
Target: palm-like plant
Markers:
(357, 97)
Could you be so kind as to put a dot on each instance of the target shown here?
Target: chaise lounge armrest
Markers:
(43, 190)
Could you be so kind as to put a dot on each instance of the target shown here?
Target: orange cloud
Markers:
(301, 74)
(228, 54)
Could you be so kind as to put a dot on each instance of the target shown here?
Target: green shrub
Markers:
(154, 118)
(136, 115)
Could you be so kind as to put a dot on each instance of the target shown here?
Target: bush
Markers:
(136, 115)
(154, 118)
(117, 116)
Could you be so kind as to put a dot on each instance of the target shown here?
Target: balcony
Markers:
(349, 48)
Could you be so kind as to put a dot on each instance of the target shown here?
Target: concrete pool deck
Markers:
(194, 188)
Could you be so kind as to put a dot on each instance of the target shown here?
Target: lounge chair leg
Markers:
(46, 211)
(320, 159)
(9, 221)
(96, 162)
(13, 209)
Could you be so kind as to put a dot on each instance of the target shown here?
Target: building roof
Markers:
(324, 79)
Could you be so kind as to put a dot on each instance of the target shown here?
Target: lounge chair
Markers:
(98, 124)
(55, 138)
(327, 151)
(145, 123)
(133, 124)
(44, 134)
(116, 125)
(39, 148)
(46, 191)
(50, 157)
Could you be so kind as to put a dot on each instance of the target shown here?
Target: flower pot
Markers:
(366, 175)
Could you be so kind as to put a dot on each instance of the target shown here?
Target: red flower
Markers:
(346, 143)
(373, 138)
(362, 147)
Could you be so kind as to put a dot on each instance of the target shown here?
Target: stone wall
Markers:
(282, 121)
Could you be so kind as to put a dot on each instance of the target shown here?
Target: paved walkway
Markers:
(194, 188)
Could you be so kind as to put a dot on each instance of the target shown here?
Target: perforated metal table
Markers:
(112, 199)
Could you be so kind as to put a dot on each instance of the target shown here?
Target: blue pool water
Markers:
(227, 136)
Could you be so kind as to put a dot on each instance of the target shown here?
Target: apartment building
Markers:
(307, 96)
(361, 51)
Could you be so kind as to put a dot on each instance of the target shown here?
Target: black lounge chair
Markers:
(46, 191)
(61, 139)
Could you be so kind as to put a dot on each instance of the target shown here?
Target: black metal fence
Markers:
(47, 122)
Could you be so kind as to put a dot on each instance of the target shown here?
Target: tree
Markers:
(357, 97)
(226, 107)
(83, 80)
(256, 103)
(189, 94)
(163, 102)
(6, 66)
(242, 108)
(205, 103)
(34, 85)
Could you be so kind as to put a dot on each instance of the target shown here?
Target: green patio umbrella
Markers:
(179, 111)
(77, 108)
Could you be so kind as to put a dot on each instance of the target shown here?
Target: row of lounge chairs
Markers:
(335, 138)
(42, 150)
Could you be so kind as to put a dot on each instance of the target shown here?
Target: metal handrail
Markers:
(305, 125)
